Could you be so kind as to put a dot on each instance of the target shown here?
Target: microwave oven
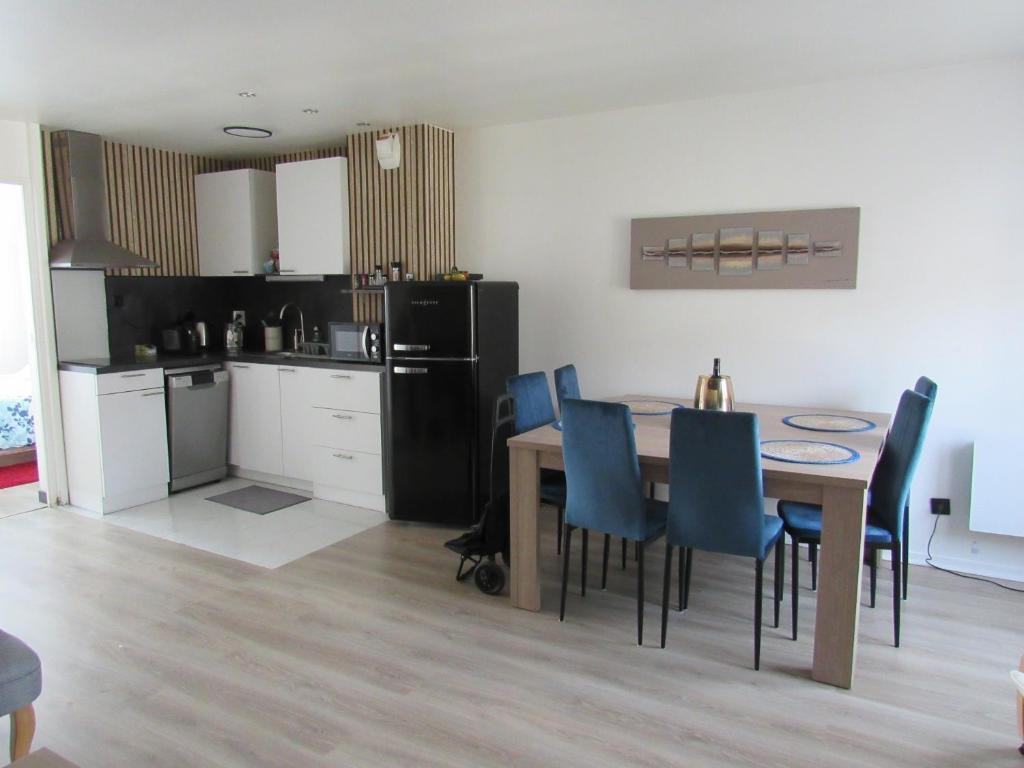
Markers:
(356, 341)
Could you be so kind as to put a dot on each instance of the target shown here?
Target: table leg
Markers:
(839, 563)
(524, 504)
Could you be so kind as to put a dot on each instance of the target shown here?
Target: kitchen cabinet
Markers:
(254, 432)
(236, 221)
(115, 438)
(297, 454)
(312, 216)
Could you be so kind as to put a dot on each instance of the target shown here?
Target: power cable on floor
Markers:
(928, 561)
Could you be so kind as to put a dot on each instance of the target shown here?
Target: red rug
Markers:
(18, 474)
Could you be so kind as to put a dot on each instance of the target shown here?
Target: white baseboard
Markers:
(971, 567)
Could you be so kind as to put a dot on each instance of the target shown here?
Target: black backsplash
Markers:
(139, 308)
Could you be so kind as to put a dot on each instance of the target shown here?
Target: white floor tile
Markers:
(20, 498)
(269, 541)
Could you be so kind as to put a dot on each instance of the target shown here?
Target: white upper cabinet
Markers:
(236, 217)
(312, 217)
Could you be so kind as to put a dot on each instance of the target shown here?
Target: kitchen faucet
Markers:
(299, 335)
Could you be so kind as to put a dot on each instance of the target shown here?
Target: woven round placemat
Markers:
(807, 452)
(828, 422)
(651, 407)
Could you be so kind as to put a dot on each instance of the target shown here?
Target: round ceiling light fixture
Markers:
(247, 132)
(310, 111)
(247, 94)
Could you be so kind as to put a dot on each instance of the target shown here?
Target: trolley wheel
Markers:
(489, 578)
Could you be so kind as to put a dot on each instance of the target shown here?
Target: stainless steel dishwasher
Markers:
(197, 425)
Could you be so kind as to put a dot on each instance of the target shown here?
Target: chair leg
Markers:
(565, 569)
(873, 568)
(780, 570)
(796, 582)
(685, 602)
(906, 549)
(623, 554)
(583, 563)
(23, 729)
(758, 595)
(640, 593)
(665, 589)
(682, 573)
(897, 588)
(561, 522)
(604, 561)
(812, 551)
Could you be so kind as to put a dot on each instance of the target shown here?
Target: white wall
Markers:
(935, 160)
(14, 309)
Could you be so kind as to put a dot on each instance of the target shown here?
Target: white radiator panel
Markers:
(996, 503)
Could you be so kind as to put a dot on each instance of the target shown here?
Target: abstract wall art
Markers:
(767, 249)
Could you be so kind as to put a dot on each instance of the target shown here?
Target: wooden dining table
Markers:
(840, 489)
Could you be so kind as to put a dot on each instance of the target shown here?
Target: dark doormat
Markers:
(257, 499)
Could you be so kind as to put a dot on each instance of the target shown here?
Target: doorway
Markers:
(19, 474)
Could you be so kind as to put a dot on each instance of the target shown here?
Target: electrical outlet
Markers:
(238, 316)
(940, 507)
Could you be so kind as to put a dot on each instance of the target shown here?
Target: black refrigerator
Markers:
(450, 347)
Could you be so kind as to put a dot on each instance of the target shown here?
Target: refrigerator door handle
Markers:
(400, 369)
(410, 347)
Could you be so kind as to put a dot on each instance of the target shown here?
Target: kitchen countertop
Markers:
(117, 365)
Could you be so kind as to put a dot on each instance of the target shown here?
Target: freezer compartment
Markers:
(430, 320)
(432, 441)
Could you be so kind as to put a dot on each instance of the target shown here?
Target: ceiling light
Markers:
(246, 132)
(247, 94)
(310, 111)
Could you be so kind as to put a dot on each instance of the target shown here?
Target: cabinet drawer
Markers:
(128, 381)
(351, 470)
(345, 390)
(346, 429)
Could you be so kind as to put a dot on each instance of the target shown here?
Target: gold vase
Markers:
(714, 392)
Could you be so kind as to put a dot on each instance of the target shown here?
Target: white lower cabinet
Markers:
(115, 439)
(254, 431)
(316, 425)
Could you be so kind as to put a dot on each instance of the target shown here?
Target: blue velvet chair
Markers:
(716, 503)
(887, 494)
(21, 681)
(567, 384)
(533, 409)
(605, 491)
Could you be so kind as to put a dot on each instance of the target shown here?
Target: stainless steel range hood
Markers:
(81, 191)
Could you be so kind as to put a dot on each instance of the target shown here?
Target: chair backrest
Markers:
(533, 400)
(567, 384)
(890, 483)
(602, 471)
(716, 495)
(926, 387)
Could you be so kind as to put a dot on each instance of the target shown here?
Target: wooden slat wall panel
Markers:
(404, 215)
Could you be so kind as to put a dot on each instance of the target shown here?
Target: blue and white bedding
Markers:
(16, 425)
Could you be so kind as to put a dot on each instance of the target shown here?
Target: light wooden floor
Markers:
(368, 654)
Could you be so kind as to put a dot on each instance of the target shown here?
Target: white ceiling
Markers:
(167, 73)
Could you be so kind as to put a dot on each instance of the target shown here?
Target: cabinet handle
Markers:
(239, 365)
(153, 394)
(240, 271)
(347, 456)
(286, 370)
(340, 376)
(410, 347)
(400, 369)
(131, 375)
(344, 416)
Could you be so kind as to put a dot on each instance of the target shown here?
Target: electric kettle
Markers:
(714, 392)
